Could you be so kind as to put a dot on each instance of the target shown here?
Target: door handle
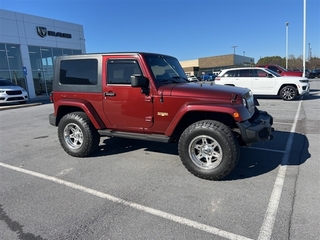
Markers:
(109, 94)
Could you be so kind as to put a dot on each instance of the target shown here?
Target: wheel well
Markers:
(195, 116)
(285, 85)
(63, 110)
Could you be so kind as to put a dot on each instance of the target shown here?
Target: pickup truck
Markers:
(282, 71)
(147, 96)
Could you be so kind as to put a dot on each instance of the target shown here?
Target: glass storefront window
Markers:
(3, 58)
(35, 58)
(14, 57)
(67, 52)
(19, 79)
(75, 52)
(57, 52)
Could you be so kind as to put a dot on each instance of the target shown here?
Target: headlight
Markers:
(244, 102)
(304, 81)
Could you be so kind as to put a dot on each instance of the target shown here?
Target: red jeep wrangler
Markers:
(147, 96)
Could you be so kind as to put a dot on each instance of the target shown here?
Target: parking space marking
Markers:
(152, 211)
(270, 215)
(284, 123)
(267, 149)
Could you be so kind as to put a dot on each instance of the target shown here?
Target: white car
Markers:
(264, 81)
(192, 79)
(12, 93)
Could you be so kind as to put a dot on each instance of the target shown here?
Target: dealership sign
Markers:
(42, 32)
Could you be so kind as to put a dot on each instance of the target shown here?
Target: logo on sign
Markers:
(42, 32)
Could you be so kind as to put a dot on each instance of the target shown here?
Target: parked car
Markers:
(208, 77)
(12, 93)
(192, 79)
(264, 81)
(282, 71)
(315, 73)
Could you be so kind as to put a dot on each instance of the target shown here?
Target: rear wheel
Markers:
(209, 150)
(288, 93)
(77, 135)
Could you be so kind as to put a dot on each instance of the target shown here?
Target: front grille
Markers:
(14, 92)
(15, 98)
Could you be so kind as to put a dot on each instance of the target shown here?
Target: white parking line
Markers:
(155, 212)
(270, 215)
(267, 149)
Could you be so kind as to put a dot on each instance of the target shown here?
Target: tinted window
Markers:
(244, 73)
(273, 68)
(82, 71)
(232, 73)
(120, 71)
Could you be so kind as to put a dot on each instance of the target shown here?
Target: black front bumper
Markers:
(52, 119)
(256, 129)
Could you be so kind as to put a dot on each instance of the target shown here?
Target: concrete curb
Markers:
(18, 106)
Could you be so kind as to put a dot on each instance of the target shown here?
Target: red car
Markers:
(282, 71)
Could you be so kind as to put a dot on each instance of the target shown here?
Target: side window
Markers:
(261, 73)
(79, 72)
(120, 71)
(231, 73)
(253, 73)
(244, 73)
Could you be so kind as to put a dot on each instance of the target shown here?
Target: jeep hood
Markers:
(201, 90)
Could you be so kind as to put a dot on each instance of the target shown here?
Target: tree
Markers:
(293, 63)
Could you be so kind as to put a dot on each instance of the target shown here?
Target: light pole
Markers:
(287, 29)
(234, 50)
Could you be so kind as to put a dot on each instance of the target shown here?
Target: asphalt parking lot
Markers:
(134, 189)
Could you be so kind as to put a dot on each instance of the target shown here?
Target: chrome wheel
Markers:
(205, 152)
(73, 136)
(288, 93)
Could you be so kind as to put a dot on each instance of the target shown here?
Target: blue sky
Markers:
(187, 29)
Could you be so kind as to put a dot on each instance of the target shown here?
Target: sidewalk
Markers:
(32, 102)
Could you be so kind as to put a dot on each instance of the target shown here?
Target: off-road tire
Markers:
(77, 135)
(288, 93)
(209, 150)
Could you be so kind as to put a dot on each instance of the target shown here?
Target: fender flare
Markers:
(85, 106)
(237, 112)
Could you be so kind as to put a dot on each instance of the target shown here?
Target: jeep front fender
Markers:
(237, 112)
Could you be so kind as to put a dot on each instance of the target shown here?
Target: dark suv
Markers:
(315, 73)
(147, 96)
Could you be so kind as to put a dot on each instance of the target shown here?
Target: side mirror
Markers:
(138, 81)
(269, 75)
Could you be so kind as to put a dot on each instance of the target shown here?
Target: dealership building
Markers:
(28, 46)
(212, 65)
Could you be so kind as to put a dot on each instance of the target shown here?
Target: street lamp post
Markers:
(234, 50)
(287, 29)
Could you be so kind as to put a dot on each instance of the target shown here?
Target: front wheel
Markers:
(288, 93)
(77, 135)
(209, 150)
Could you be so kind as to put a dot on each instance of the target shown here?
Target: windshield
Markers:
(273, 72)
(6, 83)
(283, 69)
(166, 69)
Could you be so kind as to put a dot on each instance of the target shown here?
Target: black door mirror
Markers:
(138, 81)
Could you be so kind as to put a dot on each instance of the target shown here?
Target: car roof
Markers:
(241, 68)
